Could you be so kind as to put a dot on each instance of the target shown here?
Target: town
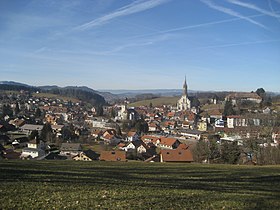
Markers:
(234, 128)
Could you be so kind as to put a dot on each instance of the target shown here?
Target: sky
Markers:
(231, 45)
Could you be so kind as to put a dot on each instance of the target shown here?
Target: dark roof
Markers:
(195, 132)
(11, 154)
(54, 156)
(22, 139)
(2, 148)
(4, 126)
(71, 147)
(4, 138)
(138, 143)
(169, 141)
(27, 149)
(91, 154)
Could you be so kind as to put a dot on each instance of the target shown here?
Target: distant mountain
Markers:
(158, 92)
(109, 96)
(16, 86)
(13, 83)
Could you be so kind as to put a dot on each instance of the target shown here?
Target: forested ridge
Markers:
(82, 93)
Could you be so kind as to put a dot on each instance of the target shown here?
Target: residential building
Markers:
(113, 156)
(180, 155)
(70, 149)
(34, 149)
(88, 155)
(243, 96)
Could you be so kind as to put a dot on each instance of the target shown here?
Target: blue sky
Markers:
(142, 44)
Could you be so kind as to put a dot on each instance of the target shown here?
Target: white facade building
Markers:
(184, 102)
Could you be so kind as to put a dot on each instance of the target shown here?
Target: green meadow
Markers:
(156, 102)
(136, 185)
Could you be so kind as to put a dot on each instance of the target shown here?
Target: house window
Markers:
(167, 153)
(113, 153)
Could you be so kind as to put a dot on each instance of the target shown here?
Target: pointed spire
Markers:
(185, 87)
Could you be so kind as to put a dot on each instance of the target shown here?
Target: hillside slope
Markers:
(156, 102)
(136, 185)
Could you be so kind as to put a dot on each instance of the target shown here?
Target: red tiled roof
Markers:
(176, 155)
(113, 156)
(121, 145)
(167, 141)
(146, 138)
(190, 115)
(182, 147)
(169, 123)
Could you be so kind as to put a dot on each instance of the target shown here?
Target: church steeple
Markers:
(185, 88)
(184, 102)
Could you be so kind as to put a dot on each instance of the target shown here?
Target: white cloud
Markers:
(230, 12)
(253, 7)
(135, 7)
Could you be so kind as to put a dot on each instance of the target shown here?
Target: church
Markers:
(184, 103)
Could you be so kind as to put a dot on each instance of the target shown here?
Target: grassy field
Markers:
(130, 185)
(156, 102)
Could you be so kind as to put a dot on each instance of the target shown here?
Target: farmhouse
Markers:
(87, 155)
(168, 143)
(113, 156)
(33, 150)
(110, 137)
(138, 145)
(132, 136)
(178, 155)
(190, 133)
(28, 128)
(70, 149)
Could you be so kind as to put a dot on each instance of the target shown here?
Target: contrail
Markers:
(253, 7)
(231, 12)
(240, 44)
(196, 26)
(132, 8)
